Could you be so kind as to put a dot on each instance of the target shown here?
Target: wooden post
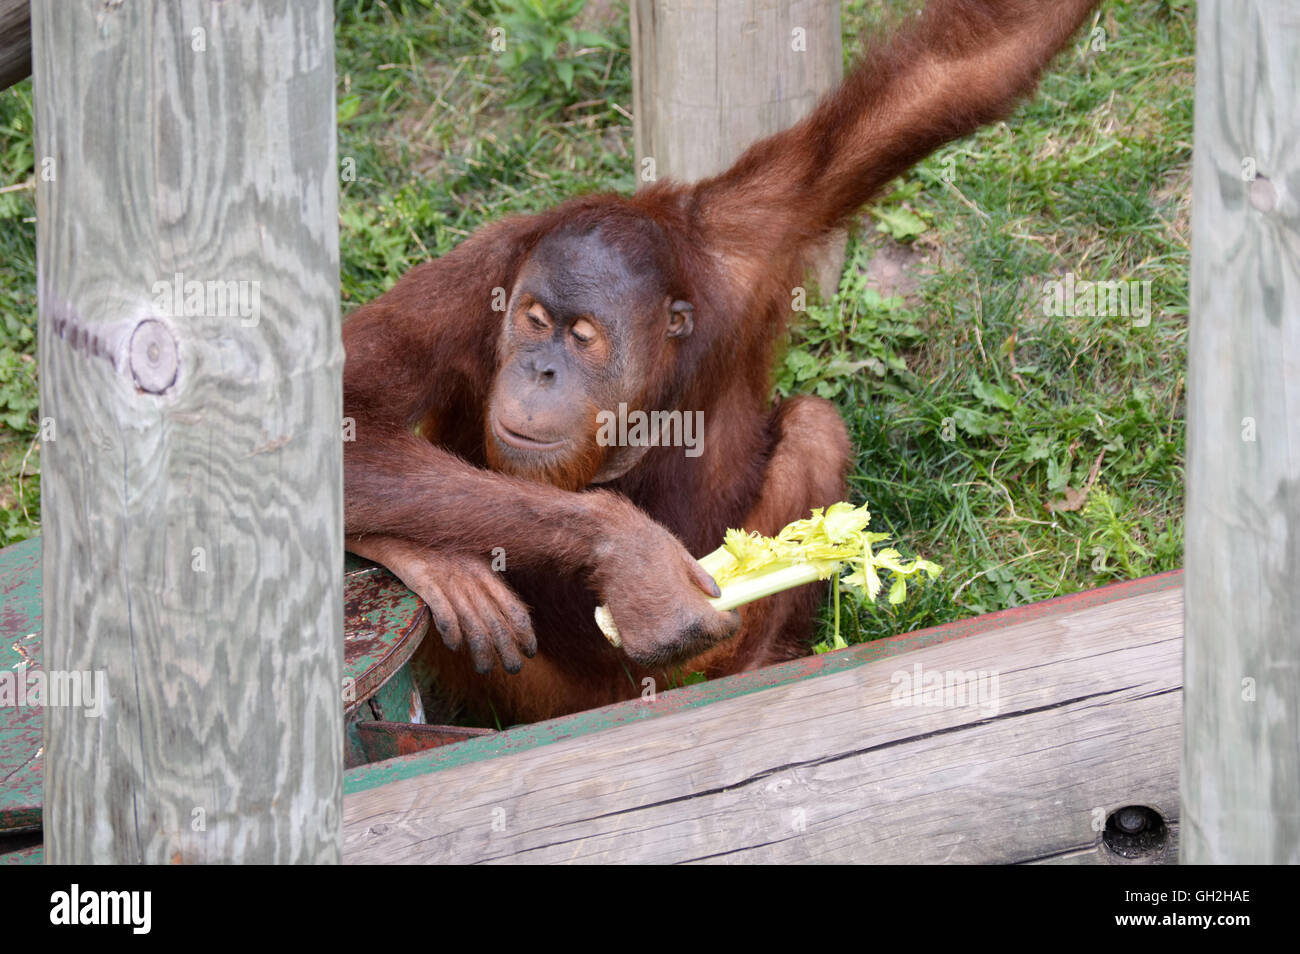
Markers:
(1241, 746)
(710, 77)
(190, 358)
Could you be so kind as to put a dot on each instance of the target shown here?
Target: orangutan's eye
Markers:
(538, 318)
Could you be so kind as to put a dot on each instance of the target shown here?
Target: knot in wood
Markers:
(154, 356)
(1263, 194)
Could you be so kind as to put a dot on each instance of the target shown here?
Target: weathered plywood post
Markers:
(1241, 746)
(709, 77)
(190, 362)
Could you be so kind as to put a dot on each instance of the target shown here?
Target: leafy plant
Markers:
(17, 391)
(857, 330)
(896, 216)
(1114, 537)
(545, 52)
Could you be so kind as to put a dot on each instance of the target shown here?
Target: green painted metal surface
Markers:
(20, 654)
(35, 855)
(383, 624)
(397, 700)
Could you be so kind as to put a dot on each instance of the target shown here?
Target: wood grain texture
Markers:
(1084, 720)
(1241, 781)
(192, 491)
(710, 77)
(15, 42)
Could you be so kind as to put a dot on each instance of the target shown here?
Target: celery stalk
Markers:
(717, 561)
(754, 586)
(748, 567)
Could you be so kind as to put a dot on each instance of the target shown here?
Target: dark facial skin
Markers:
(586, 322)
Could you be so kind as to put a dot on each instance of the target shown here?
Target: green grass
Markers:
(971, 410)
(981, 410)
(20, 500)
(442, 142)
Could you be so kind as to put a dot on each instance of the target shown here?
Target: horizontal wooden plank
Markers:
(1077, 715)
(524, 737)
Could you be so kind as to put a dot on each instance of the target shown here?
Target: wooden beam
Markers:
(191, 399)
(15, 42)
(1241, 776)
(1077, 717)
(711, 77)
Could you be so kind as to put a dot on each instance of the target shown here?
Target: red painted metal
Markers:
(387, 740)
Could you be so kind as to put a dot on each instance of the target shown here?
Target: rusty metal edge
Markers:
(398, 656)
(378, 737)
(16, 819)
(521, 738)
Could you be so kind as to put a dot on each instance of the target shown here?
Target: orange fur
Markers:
(734, 246)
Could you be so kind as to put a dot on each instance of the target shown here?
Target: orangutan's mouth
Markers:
(522, 441)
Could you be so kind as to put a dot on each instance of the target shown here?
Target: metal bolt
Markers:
(1131, 820)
